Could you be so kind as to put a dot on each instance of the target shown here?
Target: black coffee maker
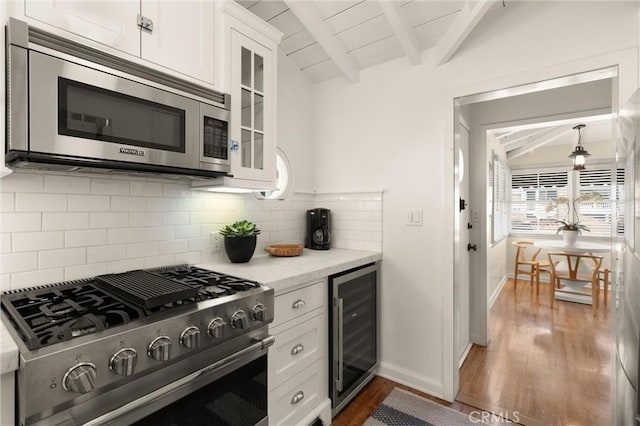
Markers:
(318, 229)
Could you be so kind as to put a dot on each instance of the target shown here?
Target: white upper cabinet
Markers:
(109, 22)
(181, 36)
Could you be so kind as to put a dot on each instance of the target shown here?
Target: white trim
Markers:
(465, 354)
(627, 62)
(497, 291)
(411, 379)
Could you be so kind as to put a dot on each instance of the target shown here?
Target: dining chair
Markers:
(529, 266)
(570, 272)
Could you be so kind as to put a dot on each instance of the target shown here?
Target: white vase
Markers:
(569, 237)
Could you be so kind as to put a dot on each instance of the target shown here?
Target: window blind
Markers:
(501, 212)
(530, 195)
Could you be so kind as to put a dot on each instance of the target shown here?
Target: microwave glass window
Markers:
(95, 113)
(215, 138)
(245, 148)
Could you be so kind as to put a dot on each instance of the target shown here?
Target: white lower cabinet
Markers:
(297, 370)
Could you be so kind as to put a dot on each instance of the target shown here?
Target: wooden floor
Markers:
(550, 368)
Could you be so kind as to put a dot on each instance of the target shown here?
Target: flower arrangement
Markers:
(572, 211)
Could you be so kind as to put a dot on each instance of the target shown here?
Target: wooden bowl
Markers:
(285, 250)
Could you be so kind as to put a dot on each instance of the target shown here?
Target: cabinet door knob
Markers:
(299, 396)
(297, 349)
(298, 304)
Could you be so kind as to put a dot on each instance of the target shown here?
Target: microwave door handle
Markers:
(339, 380)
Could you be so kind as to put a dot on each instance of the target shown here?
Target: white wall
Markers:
(387, 132)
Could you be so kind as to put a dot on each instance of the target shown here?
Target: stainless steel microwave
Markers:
(71, 108)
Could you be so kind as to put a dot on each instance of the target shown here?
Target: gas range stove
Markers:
(94, 335)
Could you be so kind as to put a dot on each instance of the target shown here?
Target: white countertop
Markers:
(8, 351)
(285, 273)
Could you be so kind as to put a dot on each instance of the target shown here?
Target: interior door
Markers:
(462, 289)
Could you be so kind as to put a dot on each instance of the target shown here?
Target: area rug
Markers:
(402, 408)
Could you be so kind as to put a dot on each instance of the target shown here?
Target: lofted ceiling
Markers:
(520, 140)
(329, 39)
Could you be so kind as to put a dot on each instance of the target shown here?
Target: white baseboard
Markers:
(497, 291)
(411, 379)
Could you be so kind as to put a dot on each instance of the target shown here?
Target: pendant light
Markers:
(579, 153)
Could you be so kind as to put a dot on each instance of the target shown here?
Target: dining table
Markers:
(580, 247)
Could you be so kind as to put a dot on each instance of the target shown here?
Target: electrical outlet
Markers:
(414, 217)
(216, 241)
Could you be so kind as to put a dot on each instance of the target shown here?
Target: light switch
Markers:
(475, 216)
(414, 217)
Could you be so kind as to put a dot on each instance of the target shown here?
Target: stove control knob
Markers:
(239, 319)
(217, 328)
(190, 337)
(258, 312)
(124, 361)
(80, 378)
(159, 348)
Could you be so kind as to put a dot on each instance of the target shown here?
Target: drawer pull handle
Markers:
(297, 349)
(298, 304)
(297, 398)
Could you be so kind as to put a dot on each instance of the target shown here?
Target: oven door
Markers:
(232, 391)
(83, 112)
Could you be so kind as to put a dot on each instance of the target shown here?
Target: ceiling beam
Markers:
(464, 23)
(402, 28)
(509, 140)
(553, 134)
(307, 13)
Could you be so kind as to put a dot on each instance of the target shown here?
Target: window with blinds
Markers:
(531, 192)
(530, 196)
(501, 212)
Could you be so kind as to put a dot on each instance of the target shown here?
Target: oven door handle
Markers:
(339, 381)
(179, 384)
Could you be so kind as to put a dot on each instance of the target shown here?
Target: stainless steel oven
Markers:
(72, 112)
(353, 353)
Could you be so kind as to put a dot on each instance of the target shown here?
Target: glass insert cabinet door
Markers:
(252, 100)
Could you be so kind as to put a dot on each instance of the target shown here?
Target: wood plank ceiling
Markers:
(329, 39)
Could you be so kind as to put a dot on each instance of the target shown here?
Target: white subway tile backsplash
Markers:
(188, 231)
(35, 202)
(174, 246)
(175, 218)
(107, 253)
(110, 225)
(32, 278)
(64, 221)
(145, 189)
(128, 204)
(5, 282)
(30, 241)
(108, 220)
(20, 222)
(67, 184)
(124, 265)
(7, 201)
(85, 238)
(159, 233)
(125, 235)
(5, 242)
(146, 249)
(22, 182)
(18, 262)
(145, 219)
(84, 271)
(89, 203)
(109, 186)
(63, 257)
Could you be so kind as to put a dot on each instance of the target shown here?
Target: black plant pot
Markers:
(240, 249)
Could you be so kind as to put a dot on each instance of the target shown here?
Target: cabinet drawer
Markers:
(291, 401)
(298, 302)
(295, 349)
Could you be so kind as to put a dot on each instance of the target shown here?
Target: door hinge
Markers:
(145, 23)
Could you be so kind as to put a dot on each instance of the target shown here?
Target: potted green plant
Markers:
(240, 240)
(571, 227)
